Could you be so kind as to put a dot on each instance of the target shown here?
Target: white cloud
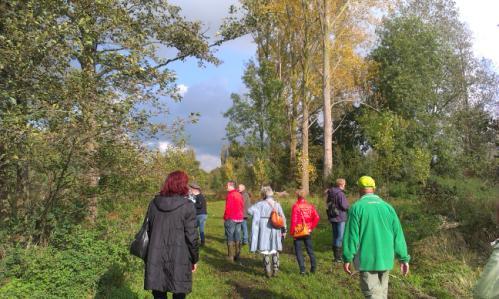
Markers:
(182, 89)
(163, 146)
(481, 17)
(208, 162)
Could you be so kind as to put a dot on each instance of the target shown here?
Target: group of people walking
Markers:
(367, 234)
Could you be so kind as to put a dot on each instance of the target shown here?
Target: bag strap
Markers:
(302, 217)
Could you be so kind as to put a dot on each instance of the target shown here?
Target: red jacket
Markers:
(234, 206)
(310, 215)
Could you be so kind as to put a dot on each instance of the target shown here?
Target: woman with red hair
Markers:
(172, 252)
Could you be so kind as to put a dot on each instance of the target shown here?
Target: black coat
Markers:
(173, 245)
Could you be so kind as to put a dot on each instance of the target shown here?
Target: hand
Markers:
(346, 268)
(194, 268)
(404, 268)
(284, 235)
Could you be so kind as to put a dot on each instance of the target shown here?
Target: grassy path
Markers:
(216, 278)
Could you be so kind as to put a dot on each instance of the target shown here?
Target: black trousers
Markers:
(299, 254)
(162, 295)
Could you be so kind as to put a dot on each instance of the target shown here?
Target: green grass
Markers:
(93, 262)
(218, 279)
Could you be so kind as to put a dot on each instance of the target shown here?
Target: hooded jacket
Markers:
(302, 211)
(487, 286)
(173, 245)
(339, 200)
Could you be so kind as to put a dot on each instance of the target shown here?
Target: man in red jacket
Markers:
(233, 217)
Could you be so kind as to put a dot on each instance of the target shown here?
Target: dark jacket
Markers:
(339, 200)
(200, 205)
(173, 245)
(247, 203)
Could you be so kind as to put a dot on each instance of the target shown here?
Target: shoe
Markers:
(303, 273)
(237, 252)
(312, 271)
(231, 251)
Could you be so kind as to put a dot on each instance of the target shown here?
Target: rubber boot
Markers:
(237, 251)
(275, 264)
(267, 264)
(231, 251)
(337, 254)
(201, 235)
(340, 254)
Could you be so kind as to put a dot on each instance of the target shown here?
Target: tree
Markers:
(76, 76)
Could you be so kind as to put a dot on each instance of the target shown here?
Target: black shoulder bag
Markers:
(141, 242)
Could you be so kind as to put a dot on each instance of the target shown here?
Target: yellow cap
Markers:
(366, 182)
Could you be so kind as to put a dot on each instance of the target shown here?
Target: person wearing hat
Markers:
(374, 237)
(201, 210)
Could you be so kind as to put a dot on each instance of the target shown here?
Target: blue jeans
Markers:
(201, 220)
(299, 254)
(338, 230)
(244, 227)
(232, 231)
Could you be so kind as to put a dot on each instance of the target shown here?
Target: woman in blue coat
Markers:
(264, 237)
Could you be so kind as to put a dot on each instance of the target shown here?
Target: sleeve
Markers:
(487, 285)
(254, 227)
(294, 220)
(315, 218)
(399, 241)
(351, 237)
(227, 201)
(191, 234)
(343, 202)
(252, 210)
(281, 212)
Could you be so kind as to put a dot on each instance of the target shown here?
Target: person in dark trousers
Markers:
(172, 252)
(247, 205)
(233, 217)
(302, 213)
(337, 207)
(201, 210)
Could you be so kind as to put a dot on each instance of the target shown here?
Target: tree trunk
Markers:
(304, 150)
(326, 93)
(293, 126)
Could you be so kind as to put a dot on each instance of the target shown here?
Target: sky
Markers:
(207, 90)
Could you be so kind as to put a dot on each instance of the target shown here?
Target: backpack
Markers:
(332, 209)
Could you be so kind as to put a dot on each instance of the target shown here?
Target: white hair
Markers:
(266, 191)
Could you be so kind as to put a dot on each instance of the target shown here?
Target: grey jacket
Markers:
(247, 203)
(264, 237)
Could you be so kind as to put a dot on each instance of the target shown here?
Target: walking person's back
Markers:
(374, 237)
(337, 207)
(267, 239)
(304, 216)
(487, 286)
(173, 243)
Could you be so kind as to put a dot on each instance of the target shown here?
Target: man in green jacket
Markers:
(487, 287)
(373, 236)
